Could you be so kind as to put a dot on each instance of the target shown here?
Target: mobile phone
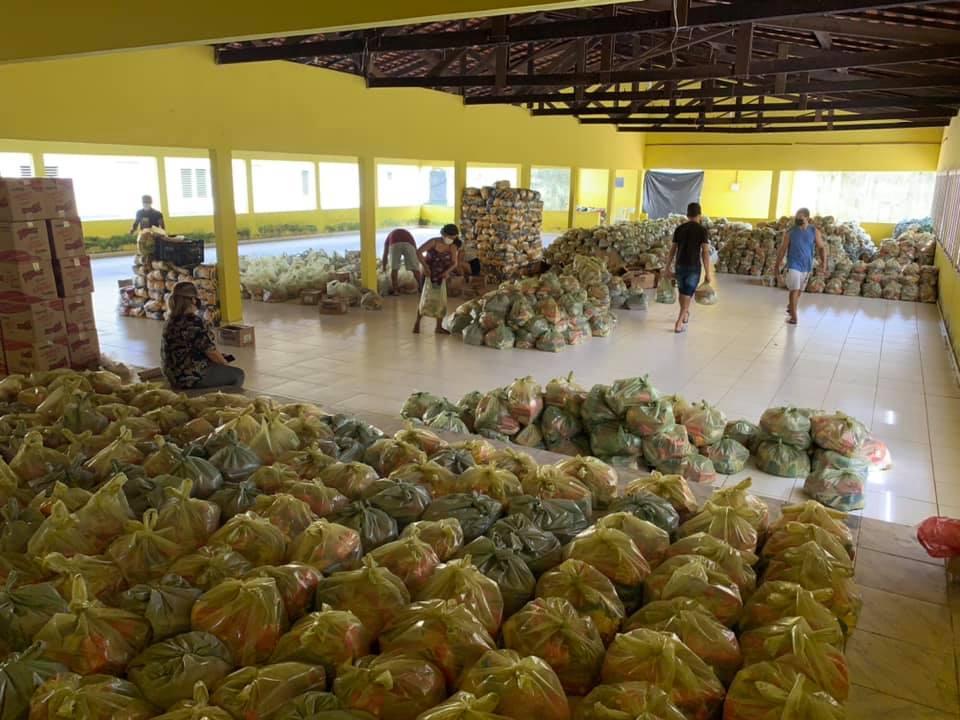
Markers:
(229, 358)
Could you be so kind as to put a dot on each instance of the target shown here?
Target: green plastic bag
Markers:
(260, 692)
(557, 424)
(167, 671)
(589, 591)
(291, 515)
(473, 334)
(649, 418)
(24, 610)
(561, 517)
(666, 292)
(672, 488)
(669, 443)
(403, 501)
(475, 512)
(541, 550)
(628, 700)
(191, 520)
(551, 629)
(390, 686)
(789, 424)
(728, 456)
(649, 507)
(235, 498)
(489, 480)
(96, 697)
(374, 526)
(234, 460)
(777, 457)
(519, 687)
(210, 565)
(506, 568)
(838, 432)
(330, 638)
(837, 488)
(313, 705)
(102, 577)
(372, 593)
(21, 673)
(165, 604)
(744, 432)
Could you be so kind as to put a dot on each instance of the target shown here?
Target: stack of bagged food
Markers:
(226, 558)
(502, 225)
(547, 312)
(642, 245)
(631, 424)
(153, 281)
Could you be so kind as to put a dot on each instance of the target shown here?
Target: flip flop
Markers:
(683, 329)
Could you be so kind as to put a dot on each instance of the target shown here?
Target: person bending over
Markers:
(691, 250)
(401, 247)
(798, 246)
(187, 349)
(440, 257)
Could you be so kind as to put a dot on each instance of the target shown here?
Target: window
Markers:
(886, 197)
(339, 185)
(14, 164)
(481, 176)
(439, 184)
(188, 186)
(283, 185)
(108, 187)
(553, 184)
(240, 204)
(400, 186)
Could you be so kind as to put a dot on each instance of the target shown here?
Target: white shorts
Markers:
(797, 280)
(405, 253)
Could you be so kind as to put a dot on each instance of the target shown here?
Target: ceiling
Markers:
(732, 66)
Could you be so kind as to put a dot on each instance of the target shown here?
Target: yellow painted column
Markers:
(225, 228)
(459, 184)
(774, 195)
(639, 195)
(368, 221)
(162, 182)
(37, 156)
(251, 215)
(611, 196)
(525, 171)
(574, 195)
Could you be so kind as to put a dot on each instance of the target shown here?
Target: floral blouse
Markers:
(183, 350)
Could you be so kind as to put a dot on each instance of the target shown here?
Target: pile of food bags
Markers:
(642, 245)
(502, 226)
(221, 556)
(630, 424)
(545, 313)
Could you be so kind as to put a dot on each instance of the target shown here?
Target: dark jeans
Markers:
(474, 267)
(221, 376)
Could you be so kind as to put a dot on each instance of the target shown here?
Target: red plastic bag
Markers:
(940, 537)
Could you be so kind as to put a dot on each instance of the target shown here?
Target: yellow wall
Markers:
(626, 197)
(436, 215)
(555, 220)
(752, 200)
(593, 188)
(949, 277)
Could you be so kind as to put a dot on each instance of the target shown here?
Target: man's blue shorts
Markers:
(688, 278)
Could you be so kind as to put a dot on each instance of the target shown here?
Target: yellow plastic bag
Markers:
(445, 536)
(352, 479)
(813, 568)
(296, 582)
(272, 440)
(550, 628)
(33, 460)
(738, 564)
(421, 437)
(246, 615)
(211, 565)
(652, 541)
(122, 451)
(91, 637)
(324, 501)
(391, 686)
(519, 463)
(97, 697)
(144, 552)
(21, 673)
(442, 632)
(372, 593)
(590, 592)
(330, 638)
(524, 687)
(61, 533)
(23, 611)
(661, 659)
(270, 478)
(672, 488)
(327, 546)
(257, 693)
(165, 604)
(197, 708)
(254, 537)
(552, 483)
(167, 671)
(772, 690)
(730, 524)
(833, 521)
(410, 559)
(818, 654)
(792, 534)
(388, 454)
(101, 576)
(699, 578)
(466, 706)
(461, 582)
(436, 478)
(613, 553)
(634, 700)
(500, 484)
(776, 600)
(191, 520)
(749, 506)
(697, 628)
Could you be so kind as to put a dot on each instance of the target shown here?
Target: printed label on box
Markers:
(21, 199)
(58, 198)
(35, 322)
(74, 276)
(29, 278)
(66, 238)
(83, 346)
(24, 241)
(78, 309)
(23, 357)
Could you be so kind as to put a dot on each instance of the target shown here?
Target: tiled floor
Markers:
(886, 363)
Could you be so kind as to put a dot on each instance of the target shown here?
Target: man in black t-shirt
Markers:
(691, 249)
(147, 217)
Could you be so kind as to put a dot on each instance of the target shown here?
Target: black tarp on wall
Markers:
(670, 193)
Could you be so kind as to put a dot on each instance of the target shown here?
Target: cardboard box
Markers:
(239, 335)
(310, 297)
(32, 321)
(21, 199)
(334, 306)
(25, 357)
(34, 278)
(74, 276)
(24, 241)
(66, 238)
(78, 309)
(58, 199)
(642, 279)
(83, 346)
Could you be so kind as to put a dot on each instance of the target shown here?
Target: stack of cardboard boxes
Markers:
(46, 306)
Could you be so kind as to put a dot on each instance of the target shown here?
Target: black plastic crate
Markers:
(186, 253)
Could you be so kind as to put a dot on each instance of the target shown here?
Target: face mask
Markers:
(449, 240)
(801, 221)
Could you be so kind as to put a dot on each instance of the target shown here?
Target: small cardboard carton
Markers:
(25, 357)
(24, 240)
(310, 297)
(334, 306)
(83, 346)
(74, 276)
(21, 199)
(29, 278)
(237, 334)
(66, 238)
(78, 309)
(642, 279)
(31, 319)
(58, 199)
